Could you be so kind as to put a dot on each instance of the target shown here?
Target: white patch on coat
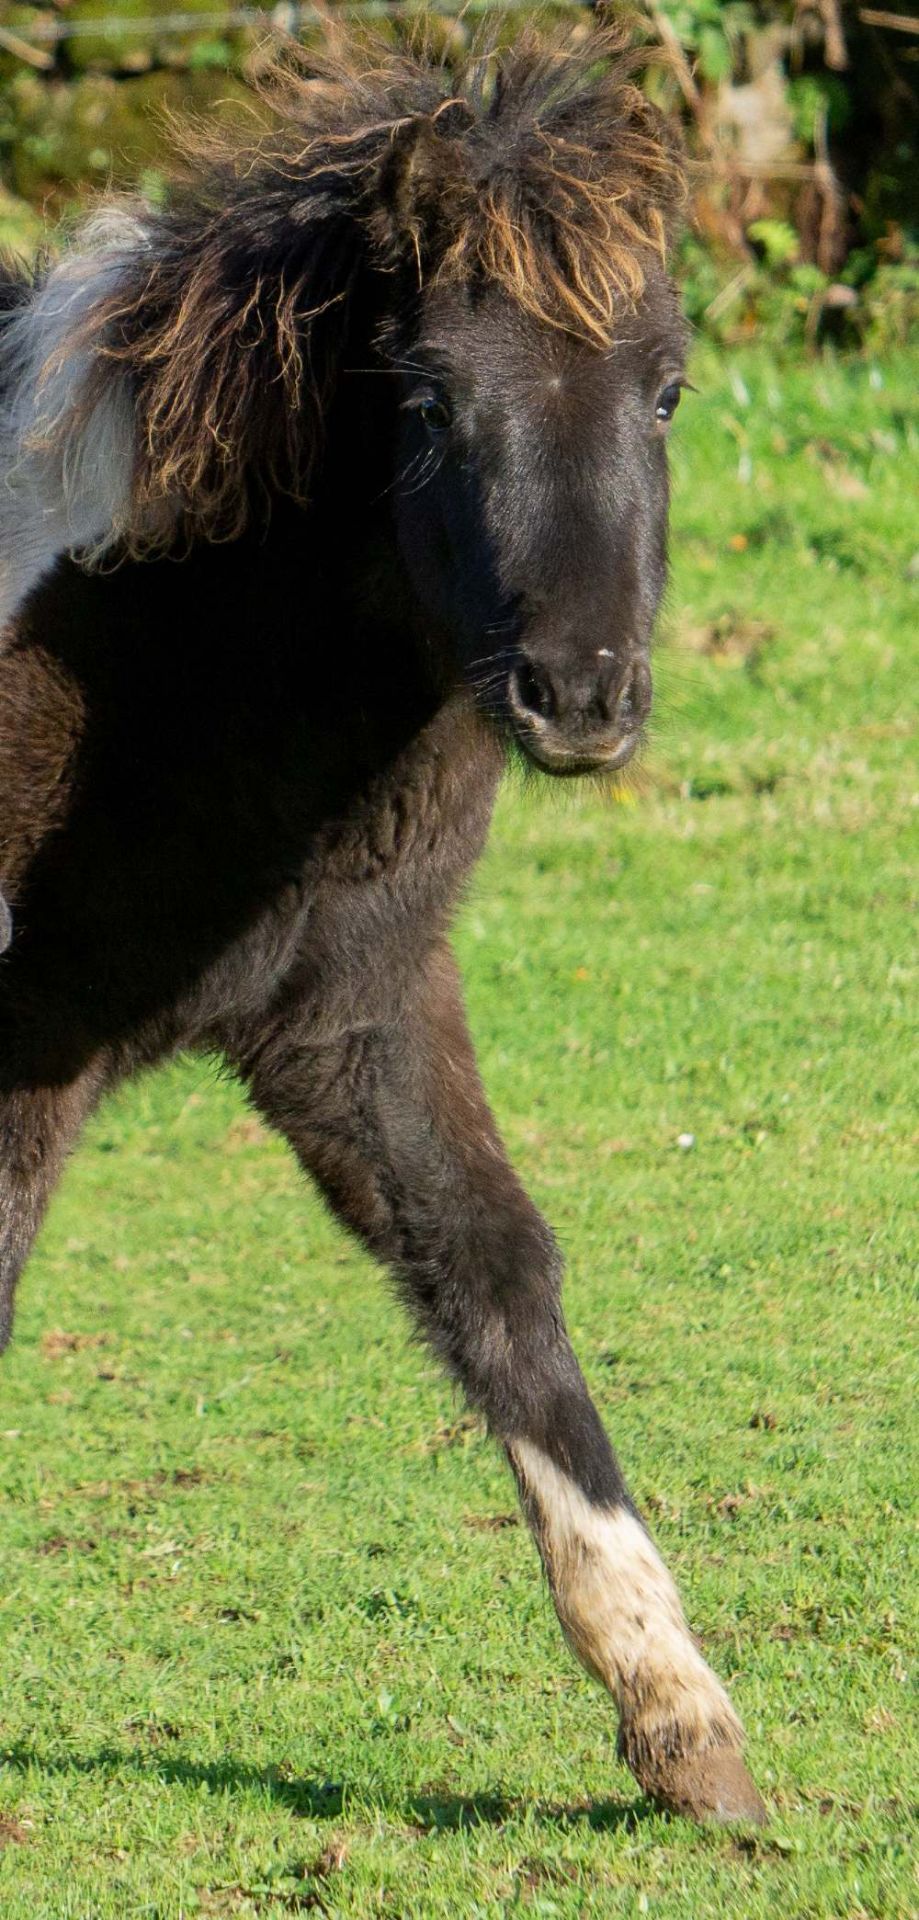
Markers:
(65, 472)
(620, 1612)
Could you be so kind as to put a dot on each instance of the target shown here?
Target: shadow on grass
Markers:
(331, 1799)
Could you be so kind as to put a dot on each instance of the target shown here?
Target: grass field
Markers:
(272, 1639)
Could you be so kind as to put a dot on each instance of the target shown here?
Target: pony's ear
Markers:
(419, 178)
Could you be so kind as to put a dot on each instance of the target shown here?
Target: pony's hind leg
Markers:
(393, 1123)
(38, 1125)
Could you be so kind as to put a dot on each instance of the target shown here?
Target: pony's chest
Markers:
(402, 851)
(377, 883)
(423, 819)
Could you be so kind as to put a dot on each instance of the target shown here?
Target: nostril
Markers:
(532, 689)
(633, 703)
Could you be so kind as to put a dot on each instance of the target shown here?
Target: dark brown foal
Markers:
(414, 362)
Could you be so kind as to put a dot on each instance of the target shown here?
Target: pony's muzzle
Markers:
(580, 719)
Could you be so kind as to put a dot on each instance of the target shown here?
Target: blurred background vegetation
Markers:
(803, 117)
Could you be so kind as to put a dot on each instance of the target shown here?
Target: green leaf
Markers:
(715, 61)
(778, 241)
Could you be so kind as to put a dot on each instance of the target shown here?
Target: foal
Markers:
(396, 387)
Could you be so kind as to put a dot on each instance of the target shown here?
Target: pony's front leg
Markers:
(38, 1125)
(393, 1123)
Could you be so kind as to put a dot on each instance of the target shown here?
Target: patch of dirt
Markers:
(754, 1846)
(14, 1833)
(59, 1543)
(156, 1731)
(535, 1876)
(490, 1522)
(730, 636)
(245, 1132)
(734, 1503)
(456, 1433)
(56, 1342)
(880, 1720)
(141, 1489)
(330, 1860)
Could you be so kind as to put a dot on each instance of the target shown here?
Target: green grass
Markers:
(272, 1639)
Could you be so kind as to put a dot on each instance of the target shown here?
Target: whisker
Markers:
(407, 473)
(427, 476)
(501, 656)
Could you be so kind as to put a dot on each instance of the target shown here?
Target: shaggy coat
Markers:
(393, 387)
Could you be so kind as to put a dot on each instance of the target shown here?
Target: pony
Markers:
(391, 381)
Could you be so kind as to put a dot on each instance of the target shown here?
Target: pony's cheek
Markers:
(427, 553)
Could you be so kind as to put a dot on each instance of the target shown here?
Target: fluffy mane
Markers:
(219, 321)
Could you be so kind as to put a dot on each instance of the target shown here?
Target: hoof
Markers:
(713, 1786)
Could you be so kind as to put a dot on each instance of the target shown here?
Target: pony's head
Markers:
(533, 515)
(539, 350)
(492, 237)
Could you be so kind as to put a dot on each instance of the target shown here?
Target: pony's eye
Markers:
(667, 402)
(436, 412)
